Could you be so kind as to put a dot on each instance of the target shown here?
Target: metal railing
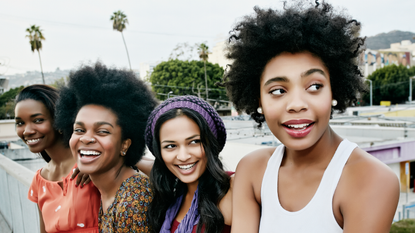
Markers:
(21, 215)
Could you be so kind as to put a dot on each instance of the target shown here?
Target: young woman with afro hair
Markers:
(103, 113)
(292, 68)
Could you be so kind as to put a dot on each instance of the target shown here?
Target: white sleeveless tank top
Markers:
(317, 216)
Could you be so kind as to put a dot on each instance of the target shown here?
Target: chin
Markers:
(298, 144)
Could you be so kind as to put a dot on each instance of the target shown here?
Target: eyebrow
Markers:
(31, 116)
(304, 74)
(99, 123)
(311, 71)
(276, 79)
(189, 138)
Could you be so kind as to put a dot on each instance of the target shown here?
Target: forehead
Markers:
(94, 113)
(180, 126)
(30, 106)
(291, 65)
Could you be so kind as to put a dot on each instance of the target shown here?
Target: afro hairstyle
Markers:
(331, 36)
(119, 90)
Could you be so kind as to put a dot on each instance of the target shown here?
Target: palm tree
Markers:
(119, 20)
(204, 54)
(35, 39)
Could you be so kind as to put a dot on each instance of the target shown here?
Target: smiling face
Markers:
(34, 125)
(96, 140)
(182, 150)
(296, 99)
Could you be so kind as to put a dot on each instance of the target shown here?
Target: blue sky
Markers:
(80, 31)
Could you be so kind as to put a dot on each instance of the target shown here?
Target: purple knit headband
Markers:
(194, 103)
(189, 105)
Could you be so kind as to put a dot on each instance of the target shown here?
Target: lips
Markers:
(298, 128)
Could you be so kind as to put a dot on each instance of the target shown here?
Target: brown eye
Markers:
(315, 87)
(278, 92)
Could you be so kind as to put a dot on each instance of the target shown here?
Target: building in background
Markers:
(146, 68)
(217, 55)
(4, 84)
(402, 53)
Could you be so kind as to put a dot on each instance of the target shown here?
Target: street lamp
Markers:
(371, 93)
(410, 89)
(168, 94)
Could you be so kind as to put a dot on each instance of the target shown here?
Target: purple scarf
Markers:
(191, 219)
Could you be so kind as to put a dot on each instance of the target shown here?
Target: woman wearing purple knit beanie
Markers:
(191, 191)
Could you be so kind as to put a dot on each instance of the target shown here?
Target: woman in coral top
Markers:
(63, 205)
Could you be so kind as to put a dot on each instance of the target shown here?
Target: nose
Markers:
(28, 130)
(87, 139)
(183, 154)
(297, 102)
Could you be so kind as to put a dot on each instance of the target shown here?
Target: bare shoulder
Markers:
(367, 194)
(363, 167)
(255, 159)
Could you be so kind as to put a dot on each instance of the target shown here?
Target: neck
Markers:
(109, 182)
(60, 155)
(191, 189)
(321, 152)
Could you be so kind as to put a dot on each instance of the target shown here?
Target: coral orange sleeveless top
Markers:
(67, 208)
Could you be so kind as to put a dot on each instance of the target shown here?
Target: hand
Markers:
(82, 178)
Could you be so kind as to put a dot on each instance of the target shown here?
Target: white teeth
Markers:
(299, 126)
(89, 152)
(186, 167)
(32, 140)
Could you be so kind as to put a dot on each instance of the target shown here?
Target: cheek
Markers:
(167, 157)
(72, 141)
(19, 132)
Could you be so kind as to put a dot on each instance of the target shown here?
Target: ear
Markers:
(125, 145)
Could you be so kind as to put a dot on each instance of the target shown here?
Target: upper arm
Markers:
(41, 222)
(145, 165)
(371, 195)
(246, 207)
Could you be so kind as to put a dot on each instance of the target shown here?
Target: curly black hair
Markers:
(331, 36)
(119, 90)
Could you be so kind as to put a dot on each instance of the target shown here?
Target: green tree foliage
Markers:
(61, 82)
(7, 103)
(9, 95)
(35, 39)
(390, 83)
(403, 226)
(187, 78)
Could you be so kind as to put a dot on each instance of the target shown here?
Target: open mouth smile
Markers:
(32, 141)
(86, 156)
(89, 153)
(298, 128)
(186, 167)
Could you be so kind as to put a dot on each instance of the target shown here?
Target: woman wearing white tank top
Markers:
(292, 68)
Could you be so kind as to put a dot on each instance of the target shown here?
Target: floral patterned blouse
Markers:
(128, 212)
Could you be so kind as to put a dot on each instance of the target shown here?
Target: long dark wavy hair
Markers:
(213, 184)
(48, 96)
